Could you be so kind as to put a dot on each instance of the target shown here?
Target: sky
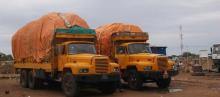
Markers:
(200, 19)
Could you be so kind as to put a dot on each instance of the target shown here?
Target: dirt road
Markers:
(183, 85)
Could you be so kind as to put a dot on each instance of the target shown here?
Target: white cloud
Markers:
(201, 18)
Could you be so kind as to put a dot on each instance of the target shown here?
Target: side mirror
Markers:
(59, 50)
(211, 50)
(55, 51)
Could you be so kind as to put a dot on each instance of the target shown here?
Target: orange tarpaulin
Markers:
(33, 41)
(104, 35)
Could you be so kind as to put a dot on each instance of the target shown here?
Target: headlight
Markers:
(83, 70)
(115, 69)
(147, 68)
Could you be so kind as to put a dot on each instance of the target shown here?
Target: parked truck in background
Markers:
(215, 52)
(63, 54)
(159, 50)
(162, 50)
(126, 45)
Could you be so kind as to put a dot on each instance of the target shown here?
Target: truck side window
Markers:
(60, 50)
(120, 50)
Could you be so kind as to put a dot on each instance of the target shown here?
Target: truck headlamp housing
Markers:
(83, 70)
(115, 69)
(147, 68)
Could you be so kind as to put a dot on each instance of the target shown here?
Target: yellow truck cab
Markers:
(137, 64)
(73, 62)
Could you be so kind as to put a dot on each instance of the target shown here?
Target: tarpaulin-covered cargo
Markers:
(32, 42)
(104, 35)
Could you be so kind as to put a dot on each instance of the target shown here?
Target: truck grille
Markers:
(162, 63)
(101, 65)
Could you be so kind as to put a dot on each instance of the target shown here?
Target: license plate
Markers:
(104, 77)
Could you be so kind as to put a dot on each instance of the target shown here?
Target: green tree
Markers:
(4, 57)
(189, 54)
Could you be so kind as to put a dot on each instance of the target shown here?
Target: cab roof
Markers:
(125, 44)
(69, 42)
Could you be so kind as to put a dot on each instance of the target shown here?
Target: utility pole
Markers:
(181, 39)
(181, 47)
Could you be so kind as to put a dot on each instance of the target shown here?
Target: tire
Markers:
(33, 82)
(24, 78)
(108, 88)
(69, 85)
(219, 69)
(163, 83)
(135, 81)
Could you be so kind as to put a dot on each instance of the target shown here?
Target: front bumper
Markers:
(153, 75)
(216, 63)
(99, 78)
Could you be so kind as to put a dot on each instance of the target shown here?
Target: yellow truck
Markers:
(137, 64)
(73, 62)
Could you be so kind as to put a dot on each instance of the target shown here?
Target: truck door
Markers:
(121, 56)
(60, 51)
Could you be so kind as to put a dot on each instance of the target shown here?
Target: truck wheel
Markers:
(69, 85)
(108, 88)
(33, 82)
(218, 69)
(163, 83)
(134, 80)
(24, 79)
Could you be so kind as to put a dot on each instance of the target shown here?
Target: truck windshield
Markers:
(216, 49)
(82, 48)
(138, 48)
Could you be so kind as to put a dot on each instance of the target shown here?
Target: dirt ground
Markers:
(183, 85)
